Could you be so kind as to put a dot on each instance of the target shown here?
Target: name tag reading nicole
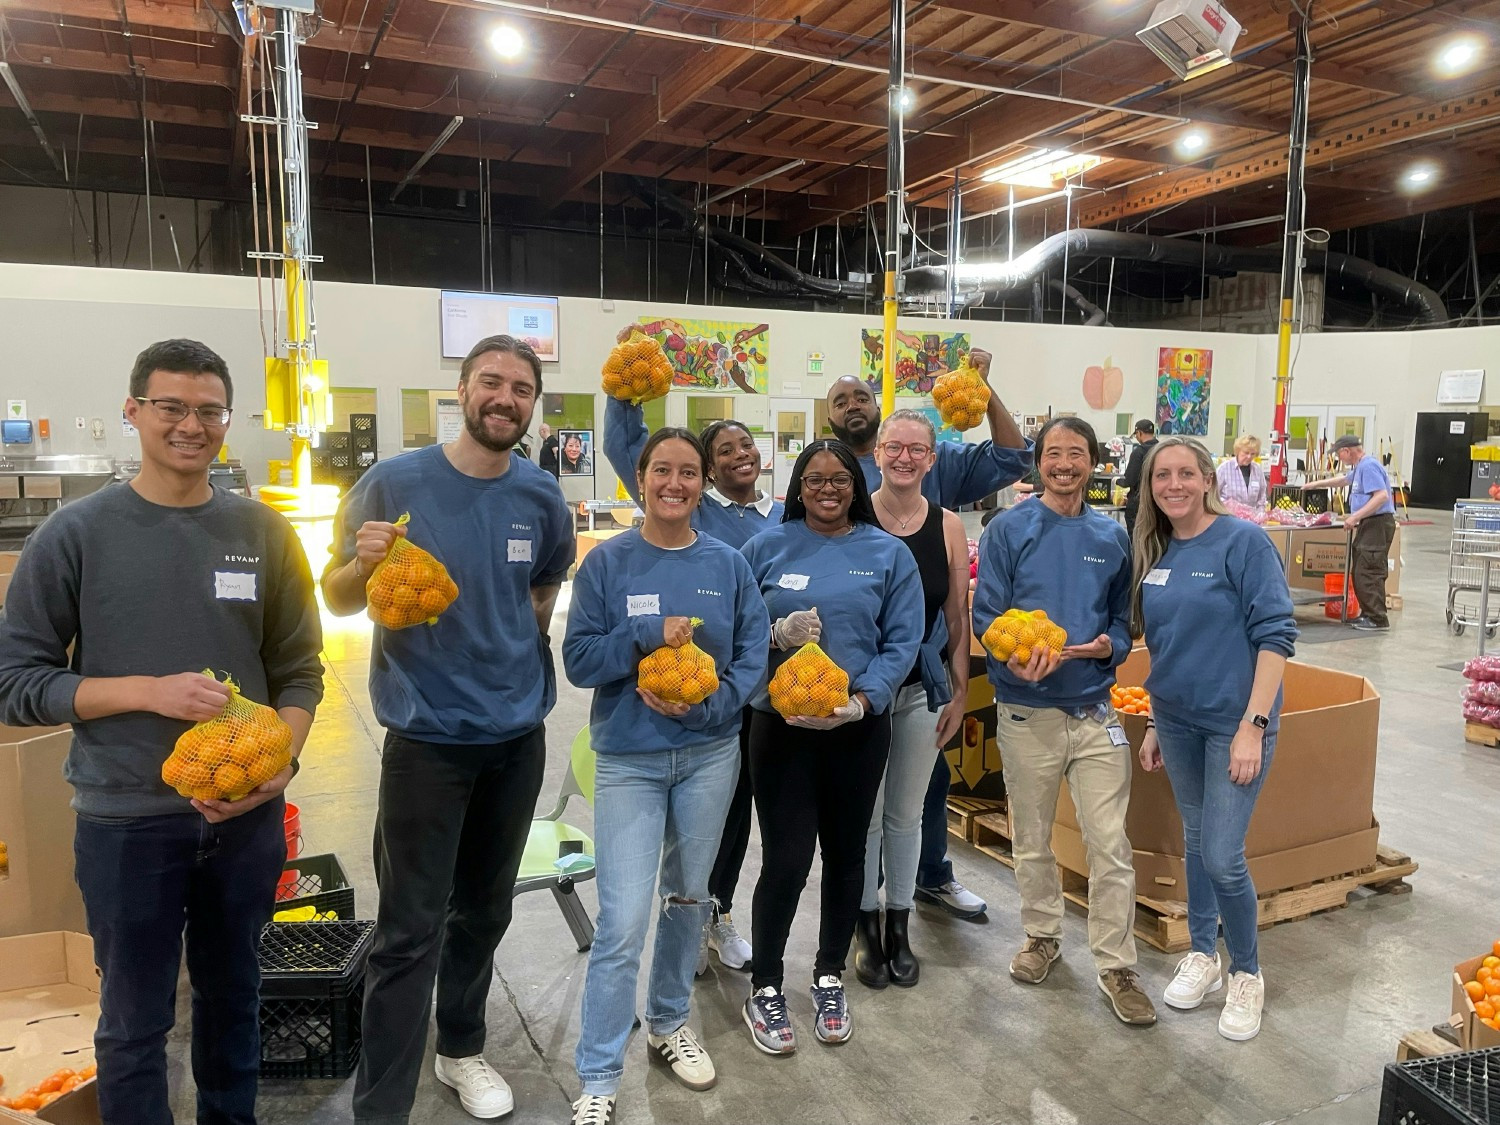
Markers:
(642, 605)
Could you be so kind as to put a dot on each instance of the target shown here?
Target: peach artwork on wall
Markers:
(1103, 385)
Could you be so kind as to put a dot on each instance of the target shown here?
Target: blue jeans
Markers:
(1215, 818)
(146, 880)
(658, 817)
(933, 866)
(897, 821)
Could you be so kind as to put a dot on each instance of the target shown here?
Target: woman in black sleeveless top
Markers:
(930, 706)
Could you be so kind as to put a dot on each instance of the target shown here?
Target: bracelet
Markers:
(358, 570)
(1150, 724)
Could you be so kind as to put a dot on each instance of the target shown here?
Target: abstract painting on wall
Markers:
(714, 355)
(920, 358)
(1183, 376)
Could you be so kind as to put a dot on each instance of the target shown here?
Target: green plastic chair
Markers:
(545, 840)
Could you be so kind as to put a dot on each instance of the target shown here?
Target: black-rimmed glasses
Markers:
(173, 411)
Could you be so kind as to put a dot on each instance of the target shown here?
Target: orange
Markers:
(1492, 1024)
(1474, 989)
(1492, 987)
(1496, 948)
(1485, 1008)
(1483, 973)
(1490, 962)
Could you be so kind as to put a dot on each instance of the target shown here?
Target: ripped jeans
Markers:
(655, 812)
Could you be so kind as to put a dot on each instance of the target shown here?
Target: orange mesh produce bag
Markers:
(685, 674)
(961, 397)
(223, 759)
(810, 684)
(1017, 632)
(637, 370)
(409, 586)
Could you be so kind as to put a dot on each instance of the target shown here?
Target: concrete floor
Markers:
(969, 1044)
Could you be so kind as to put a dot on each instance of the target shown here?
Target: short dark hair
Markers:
(1073, 425)
(670, 433)
(181, 357)
(861, 508)
(1144, 426)
(713, 431)
(505, 345)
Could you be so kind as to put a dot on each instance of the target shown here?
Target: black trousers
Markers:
(736, 839)
(1372, 549)
(812, 789)
(449, 835)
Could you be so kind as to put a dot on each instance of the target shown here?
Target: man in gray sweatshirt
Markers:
(149, 583)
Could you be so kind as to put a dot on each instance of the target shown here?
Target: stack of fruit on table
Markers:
(1129, 700)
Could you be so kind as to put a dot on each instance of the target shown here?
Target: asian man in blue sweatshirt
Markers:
(1054, 718)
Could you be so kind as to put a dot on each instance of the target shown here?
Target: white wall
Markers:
(71, 333)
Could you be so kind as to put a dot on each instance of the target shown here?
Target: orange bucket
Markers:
(292, 824)
(1333, 590)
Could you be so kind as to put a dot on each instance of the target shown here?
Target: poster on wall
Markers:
(920, 358)
(575, 453)
(450, 419)
(714, 355)
(1183, 376)
(1103, 384)
(1460, 388)
(944, 431)
(468, 318)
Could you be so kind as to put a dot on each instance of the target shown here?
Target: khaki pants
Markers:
(1039, 746)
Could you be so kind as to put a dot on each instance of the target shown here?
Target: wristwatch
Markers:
(1259, 720)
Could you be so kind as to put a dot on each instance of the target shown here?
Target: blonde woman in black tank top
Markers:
(921, 721)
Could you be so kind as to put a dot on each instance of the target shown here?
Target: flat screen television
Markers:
(468, 318)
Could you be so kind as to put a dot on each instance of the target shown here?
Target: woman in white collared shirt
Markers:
(1242, 480)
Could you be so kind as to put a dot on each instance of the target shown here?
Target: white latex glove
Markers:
(797, 628)
(851, 712)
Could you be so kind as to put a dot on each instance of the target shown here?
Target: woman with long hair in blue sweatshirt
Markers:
(732, 511)
(665, 771)
(1210, 595)
(828, 574)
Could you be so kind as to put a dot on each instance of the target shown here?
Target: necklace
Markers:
(922, 504)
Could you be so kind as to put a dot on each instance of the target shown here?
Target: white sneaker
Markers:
(725, 940)
(481, 1090)
(1240, 1019)
(702, 966)
(1198, 974)
(953, 897)
(686, 1056)
(594, 1109)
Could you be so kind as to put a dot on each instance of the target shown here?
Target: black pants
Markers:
(736, 839)
(812, 789)
(1372, 549)
(449, 835)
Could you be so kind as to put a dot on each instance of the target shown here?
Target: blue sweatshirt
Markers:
(867, 592)
(1211, 605)
(625, 436)
(621, 594)
(1077, 569)
(965, 472)
(483, 673)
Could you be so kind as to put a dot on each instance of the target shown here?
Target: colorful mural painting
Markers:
(1183, 376)
(713, 355)
(920, 359)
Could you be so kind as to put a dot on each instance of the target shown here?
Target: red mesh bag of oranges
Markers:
(1129, 700)
(1019, 632)
(961, 397)
(810, 684)
(638, 370)
(679, 674)
(409, 586)
(223, 759)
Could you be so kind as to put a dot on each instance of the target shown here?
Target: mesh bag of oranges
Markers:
(409, 586)
(810, 684)
(1019, 633)
(49, 1089)
(1129, 700)
(961, 397)
(679, 674)
(637, 370)
(223, 759)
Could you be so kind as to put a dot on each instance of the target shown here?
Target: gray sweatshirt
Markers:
(146, 590)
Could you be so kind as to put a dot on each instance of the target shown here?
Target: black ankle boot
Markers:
(869, 952)
(902, 965)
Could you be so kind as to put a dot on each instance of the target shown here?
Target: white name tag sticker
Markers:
(793, 582)
(518, 550)
(1117, 736)
(1157, 577)
(642, 605)
(233, 586)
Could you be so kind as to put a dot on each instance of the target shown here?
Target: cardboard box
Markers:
(588, 540)
(36, 824)
(49, 1007)
(973, 755)
(8, 560)
(40, 486)
(1313, 552)
(10, 487)
(1472, 1034)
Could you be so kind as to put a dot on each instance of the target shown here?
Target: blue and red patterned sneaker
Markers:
(835, 1023)
(770, 1027)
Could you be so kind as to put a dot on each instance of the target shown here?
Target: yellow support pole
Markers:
(888, 379)
(298, 337)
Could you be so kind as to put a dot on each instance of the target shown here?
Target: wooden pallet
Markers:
(963, 810)
(1481, 735)
(1393, 601)
(1163, 924)
(1426, 1043)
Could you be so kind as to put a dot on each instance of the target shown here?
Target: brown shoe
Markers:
(1124, 991)
(1031, 965)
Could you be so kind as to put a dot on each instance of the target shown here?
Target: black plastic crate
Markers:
(337, 440)
(1314, 500)
(312, 990)
(322, 470)
(320, 882)
(1100, 489)
(364, 459)
(362, 423)
(363, 441)
(1446, 1090)
(345, 479)
(340, 459)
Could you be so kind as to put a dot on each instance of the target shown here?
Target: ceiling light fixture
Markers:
(1193, 142)
(1458, 56)
(1042, 169)
(1419, 176)
(507, 42)
(906, 100)
(1193, 37)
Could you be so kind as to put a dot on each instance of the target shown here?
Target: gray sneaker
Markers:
(1035, 961)
(770, 1027)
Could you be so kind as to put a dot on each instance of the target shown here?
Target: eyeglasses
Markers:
(173, 411)
(917, 450)
(841, 482)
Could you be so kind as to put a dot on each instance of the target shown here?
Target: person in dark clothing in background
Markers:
(547, 454)
(1145, 438)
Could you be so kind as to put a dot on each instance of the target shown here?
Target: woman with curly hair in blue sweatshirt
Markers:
(1210, 595)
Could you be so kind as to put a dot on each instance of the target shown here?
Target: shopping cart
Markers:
(1476, 532)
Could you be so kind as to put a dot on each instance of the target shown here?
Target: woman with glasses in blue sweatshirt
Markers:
(1210, 595)
(666, 771)
(828, 574)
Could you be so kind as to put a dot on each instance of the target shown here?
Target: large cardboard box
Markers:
(972, 754)
(49, 1007)
(1314, 552)
(1472, 1035)
(588, 540)
(37, 891)
(1315, 815)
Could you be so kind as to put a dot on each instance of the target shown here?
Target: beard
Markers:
(858, 434)
(474, 423)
